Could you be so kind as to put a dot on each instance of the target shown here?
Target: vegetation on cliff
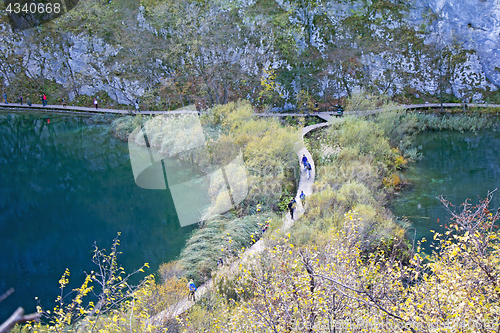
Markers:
(274, 53)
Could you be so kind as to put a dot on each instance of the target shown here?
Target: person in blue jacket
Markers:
(192, 290)
(302, 198)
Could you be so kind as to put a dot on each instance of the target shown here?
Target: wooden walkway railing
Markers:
(191, 110)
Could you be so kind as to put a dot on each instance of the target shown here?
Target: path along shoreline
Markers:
(305, 185)
(190, 109)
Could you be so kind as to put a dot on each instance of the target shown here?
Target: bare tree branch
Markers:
(6, 294)
(17, 317)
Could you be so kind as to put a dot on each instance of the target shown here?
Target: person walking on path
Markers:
(95, 103)
(21, 99)
(44, 100)
(28, 100)
(308, 168)
(136, 105)
(220, 262)
(302, 198)
(192, 290)
(291, 207)
(5, 98)
(63, 102)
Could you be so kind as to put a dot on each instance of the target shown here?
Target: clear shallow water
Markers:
(455, 165)
(65, 184)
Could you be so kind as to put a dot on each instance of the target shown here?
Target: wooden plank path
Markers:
(87, 110)
(191, 110)
(305, 185)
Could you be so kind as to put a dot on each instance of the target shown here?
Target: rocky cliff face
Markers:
(474, 23)
(87, 64)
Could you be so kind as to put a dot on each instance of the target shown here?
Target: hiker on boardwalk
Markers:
(304, 160)
(5, 98)
(291, 207)
(21, 99)
(302, 198)
(28, 100)
(308, 168)
(136, 105)
(192, 290)
(63, 102)
(95, 103)
(44, 100)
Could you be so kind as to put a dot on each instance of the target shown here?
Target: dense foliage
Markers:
(333, 287)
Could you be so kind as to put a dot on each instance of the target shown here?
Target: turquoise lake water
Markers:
(458, 166)
(65, 183)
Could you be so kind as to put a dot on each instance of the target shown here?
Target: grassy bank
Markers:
(359, 164)
(357, 169)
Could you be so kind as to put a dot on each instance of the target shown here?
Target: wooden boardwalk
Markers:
(305, 185)
(191, 110)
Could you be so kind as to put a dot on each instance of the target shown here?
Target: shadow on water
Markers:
(455, 165)
(65, 183)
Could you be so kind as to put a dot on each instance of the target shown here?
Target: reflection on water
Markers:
(66, 182)
(455, 165)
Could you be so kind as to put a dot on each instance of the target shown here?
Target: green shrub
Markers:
(353, 193)
(363, 135)
(361, 102)
(220, 237)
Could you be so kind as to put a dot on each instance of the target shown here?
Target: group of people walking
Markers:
(291, 207)
(20, 99)
(302, 196)
(293, 202)
(43, 98)
(307, 166)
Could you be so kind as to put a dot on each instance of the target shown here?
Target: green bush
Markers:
(353, 193)
(220, 237)
(366, 137)
(362, 102)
